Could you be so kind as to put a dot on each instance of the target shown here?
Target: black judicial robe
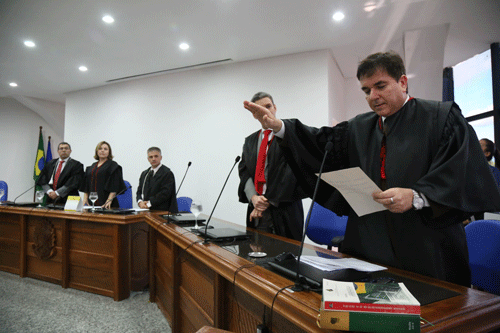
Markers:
(282, 189)
(69, 180)
(108, 179)
(159, 190)
(430, 148)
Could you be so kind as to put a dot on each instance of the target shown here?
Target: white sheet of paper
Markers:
(327, 264)
(357, 189)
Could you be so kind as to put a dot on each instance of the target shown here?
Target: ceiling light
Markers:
(338, 16)
(184, 46)
(13, 84)
(108, 19)
(29, 43)
(83, 68)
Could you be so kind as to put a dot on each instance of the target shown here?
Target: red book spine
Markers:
(373, 307)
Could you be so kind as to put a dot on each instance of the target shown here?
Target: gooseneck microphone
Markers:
(223, 186)
(23, 193)
(299, 286)
(182, 181)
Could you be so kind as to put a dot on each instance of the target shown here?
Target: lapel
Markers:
(65, 170)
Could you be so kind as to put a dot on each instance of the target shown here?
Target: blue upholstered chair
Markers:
(4, 188)
(184, 204)
(125, 199)
(483, 241)
(326, 227)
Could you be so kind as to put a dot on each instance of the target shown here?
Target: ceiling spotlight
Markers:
(108, 19)
(13, 84)
(338, 16)
(184, 46)
(83, 68)
(29, 43)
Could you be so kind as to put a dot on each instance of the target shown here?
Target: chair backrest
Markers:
(483, 241)
(324, 225)
(184, 204)
(4, 188)
(125, 199)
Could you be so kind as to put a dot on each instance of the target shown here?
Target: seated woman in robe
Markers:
(104, 177)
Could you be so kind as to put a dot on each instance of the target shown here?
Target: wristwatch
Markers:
(418, 202)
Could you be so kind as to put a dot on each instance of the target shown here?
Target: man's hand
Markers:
(260, 202)
(143, 204)
(52, 195)
(255, 214)
(396, 199)
(264, 116)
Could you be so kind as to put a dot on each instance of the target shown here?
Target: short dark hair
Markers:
(390, 61)
(63, 143)
(490, 148)
(110, 156)
(260, 95)
(154, 149)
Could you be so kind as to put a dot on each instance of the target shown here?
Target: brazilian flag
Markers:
(40, 158)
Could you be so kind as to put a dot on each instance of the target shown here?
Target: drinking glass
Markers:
(196, 209)
(93, 197)
(39, 197)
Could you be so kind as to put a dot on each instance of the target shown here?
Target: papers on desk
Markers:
(357, 189)
(330, 265)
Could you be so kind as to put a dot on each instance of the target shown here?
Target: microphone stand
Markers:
(182, 181)
(299, 284)
(206, 224)
(23, 193)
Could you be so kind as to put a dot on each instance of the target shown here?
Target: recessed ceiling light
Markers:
(83, 68)
(108, 19)
(29, 43)
(338, 16)
(184, 46)
(13, 84)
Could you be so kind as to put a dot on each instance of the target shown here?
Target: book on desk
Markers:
(368, 307)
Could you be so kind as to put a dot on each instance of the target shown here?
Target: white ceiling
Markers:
(145, 35)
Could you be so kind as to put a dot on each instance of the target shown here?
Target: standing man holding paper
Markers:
(156, 190)
(61, 177)
(268, 184)
(422, 154)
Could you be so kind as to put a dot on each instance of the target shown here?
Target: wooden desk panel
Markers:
(97, 253)
(201, 292)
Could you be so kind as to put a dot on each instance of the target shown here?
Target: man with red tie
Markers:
(267, 183)
(423, 155)
(61, 177)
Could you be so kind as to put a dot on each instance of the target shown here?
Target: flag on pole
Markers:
(49, 152)
(40, 157)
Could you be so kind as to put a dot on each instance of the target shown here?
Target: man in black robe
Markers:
(276, 206)
(58, 186)
(422, 154)
(156, 190)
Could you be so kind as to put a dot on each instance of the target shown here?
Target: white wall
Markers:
(19, 132)
(196, 116)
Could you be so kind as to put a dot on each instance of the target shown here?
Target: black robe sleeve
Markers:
(304, 148)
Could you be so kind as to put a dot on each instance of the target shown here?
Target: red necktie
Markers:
(58, 173)
(260, 179)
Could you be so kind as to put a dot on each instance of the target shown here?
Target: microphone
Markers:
(299, 286)
(237, 159)
(23, 193)
(119, 193)
(189, 164)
